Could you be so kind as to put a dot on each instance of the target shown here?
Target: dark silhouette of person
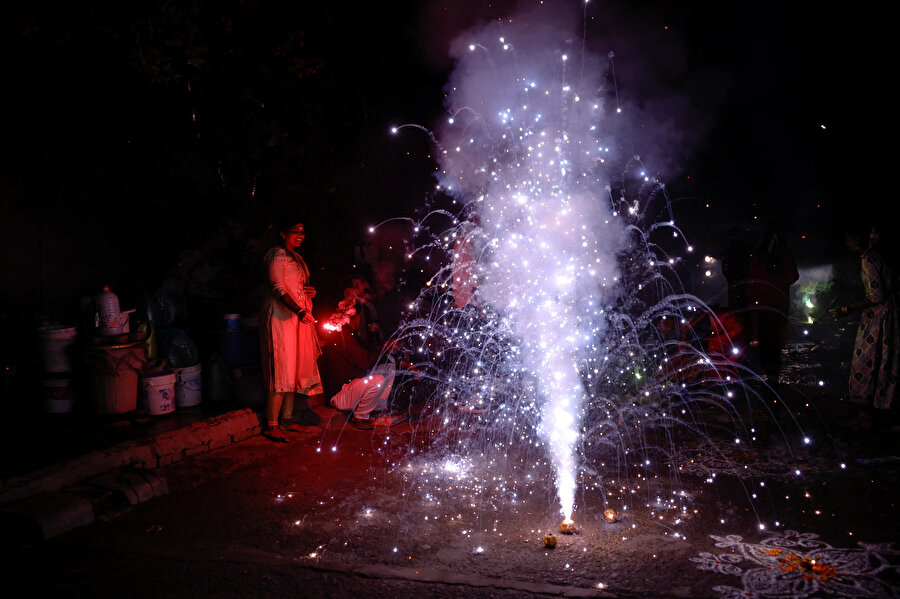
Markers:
(771, 273)
(736, 267)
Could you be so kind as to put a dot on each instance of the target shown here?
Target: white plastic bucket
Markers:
(56, 342)
(56, 397)
(188, 383)
(159, 391)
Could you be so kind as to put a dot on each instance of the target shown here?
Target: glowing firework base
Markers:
(454, 515)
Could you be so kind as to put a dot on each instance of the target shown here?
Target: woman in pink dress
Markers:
(289, 342)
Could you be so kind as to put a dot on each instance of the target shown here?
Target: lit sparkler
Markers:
(347, 307)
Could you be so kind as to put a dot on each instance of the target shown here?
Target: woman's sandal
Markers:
(362, 423)
(274, 434)
(291, 427)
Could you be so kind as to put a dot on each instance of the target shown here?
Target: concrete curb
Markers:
(37, 495)
(46, 515)
(160, 450)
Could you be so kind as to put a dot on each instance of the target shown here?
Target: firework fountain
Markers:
(546, 268)
(522, 147)
(556, 335)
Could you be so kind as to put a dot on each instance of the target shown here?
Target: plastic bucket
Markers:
(115, 376)
(188, 383)
(56, 344)
(159, 391)
(115, 393)
(56, 396)
(232, 322)
(125, 319)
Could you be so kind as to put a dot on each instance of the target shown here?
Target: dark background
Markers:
(133, 130)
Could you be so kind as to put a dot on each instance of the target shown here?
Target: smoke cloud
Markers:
(524, 146)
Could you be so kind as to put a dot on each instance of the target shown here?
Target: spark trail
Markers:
(558, 338)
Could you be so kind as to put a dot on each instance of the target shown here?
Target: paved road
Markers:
(260, 519)
(372, 518)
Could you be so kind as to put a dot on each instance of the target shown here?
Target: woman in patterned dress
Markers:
(290, 345)
(875, 364)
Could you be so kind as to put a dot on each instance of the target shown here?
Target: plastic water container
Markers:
(183, 352)
(232, 322)
(56, 347)
(188, 385)
(161, 309)
(159, 392)
(109, 312)
(56, 396)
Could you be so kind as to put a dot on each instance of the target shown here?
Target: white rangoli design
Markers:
(794, 564)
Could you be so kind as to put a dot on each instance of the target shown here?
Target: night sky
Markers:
(134, 128)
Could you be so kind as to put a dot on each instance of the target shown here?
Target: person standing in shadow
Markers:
(875, 365)
(735, 267)
(771, 273)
